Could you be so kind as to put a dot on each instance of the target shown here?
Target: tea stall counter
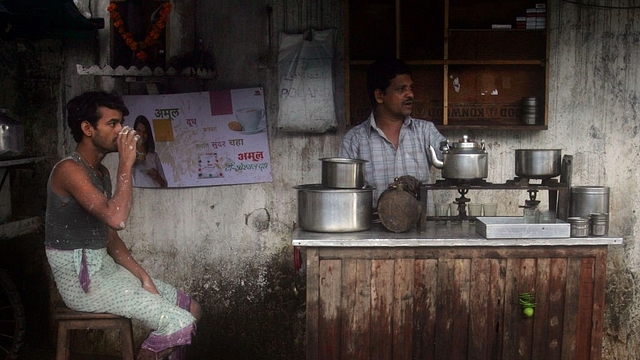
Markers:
(445, 292)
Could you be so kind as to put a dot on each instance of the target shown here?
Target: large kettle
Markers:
(462, 160)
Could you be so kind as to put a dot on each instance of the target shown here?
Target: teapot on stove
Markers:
(462, 160)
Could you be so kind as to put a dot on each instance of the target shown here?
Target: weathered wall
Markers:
(230, 246)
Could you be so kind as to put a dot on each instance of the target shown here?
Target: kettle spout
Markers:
(434, 158)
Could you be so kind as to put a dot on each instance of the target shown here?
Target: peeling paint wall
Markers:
(229, 246)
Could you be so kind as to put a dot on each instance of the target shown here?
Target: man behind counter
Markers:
(393, 142)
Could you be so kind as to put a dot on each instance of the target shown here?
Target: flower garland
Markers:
(138, 46)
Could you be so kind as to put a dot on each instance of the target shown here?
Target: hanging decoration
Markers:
(138, 47)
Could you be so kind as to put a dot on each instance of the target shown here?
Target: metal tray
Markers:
(513, 227)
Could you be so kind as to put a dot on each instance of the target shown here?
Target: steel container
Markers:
(586, 200)
(538, 163)
(343, 173)
(323, 209)
(579, 226)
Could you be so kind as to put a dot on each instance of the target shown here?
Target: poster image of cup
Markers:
(250, 120)
(202, 141)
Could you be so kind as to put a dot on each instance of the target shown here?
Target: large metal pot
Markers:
(538, 163)
(334, 210)
(462, 160)
(343, 173)
(11, 136)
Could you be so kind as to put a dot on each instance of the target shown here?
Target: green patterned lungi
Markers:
(113, 289)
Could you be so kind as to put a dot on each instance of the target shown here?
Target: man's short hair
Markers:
(380, 74)
(84, 107)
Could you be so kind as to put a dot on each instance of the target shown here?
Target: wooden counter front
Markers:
(379, 301)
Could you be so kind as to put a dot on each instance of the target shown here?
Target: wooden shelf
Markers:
(466, 74)
(21, 227)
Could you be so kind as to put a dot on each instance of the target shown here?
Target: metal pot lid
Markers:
(597, 190)
(323, 189)
(466, 145)
(343, 160)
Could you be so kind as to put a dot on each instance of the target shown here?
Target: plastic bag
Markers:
(305, 71)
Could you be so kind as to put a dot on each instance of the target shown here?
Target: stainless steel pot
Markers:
(334, 210)
(538, 163)
(11, 136)
(343, 173)
(462, 160)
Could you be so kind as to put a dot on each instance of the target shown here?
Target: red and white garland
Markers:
(138, 47)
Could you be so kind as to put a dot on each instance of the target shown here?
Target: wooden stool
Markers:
(77, 320)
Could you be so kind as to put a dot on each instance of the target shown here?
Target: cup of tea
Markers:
(249, 118)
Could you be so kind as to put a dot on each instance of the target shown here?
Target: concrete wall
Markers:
(229, 246)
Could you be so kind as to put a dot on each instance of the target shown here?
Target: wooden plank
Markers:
(329, 309)
(495, 308)
(526, 283)
(381, 309)
(21, 227)
(356, 309)
(425, 298)
(444, 309)
(460, 300)
(540, 340)
(599, 288)
(570, 310)
(511, 310)
(403, 309)
(313, 300)
(479, 309)
(557, 284)
(585, 309)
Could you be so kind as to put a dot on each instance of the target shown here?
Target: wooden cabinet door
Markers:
(445, 303)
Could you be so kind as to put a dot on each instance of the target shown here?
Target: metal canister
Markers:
(579, 226)
(599, 223)
(586, 200)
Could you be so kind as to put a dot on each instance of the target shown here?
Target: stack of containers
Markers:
(529, 110)
(342, 203)
(592, 204)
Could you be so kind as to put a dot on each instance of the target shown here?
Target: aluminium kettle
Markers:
(462, 160)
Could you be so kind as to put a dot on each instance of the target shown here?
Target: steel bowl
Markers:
(538, 163)
(343, 173)
(322, 209)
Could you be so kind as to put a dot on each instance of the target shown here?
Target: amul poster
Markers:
(200, 139)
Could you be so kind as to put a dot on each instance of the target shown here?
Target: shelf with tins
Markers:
(466, 74)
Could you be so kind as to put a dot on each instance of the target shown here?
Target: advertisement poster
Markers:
(201, 139)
